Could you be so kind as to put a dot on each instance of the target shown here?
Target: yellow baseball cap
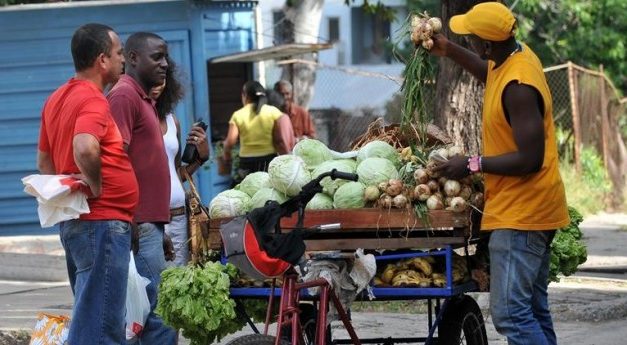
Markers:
(492, 21)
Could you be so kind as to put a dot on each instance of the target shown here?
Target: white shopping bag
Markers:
(137, 303)
(60, 197)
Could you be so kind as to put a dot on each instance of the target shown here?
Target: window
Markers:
(370, 33)
(334, 29)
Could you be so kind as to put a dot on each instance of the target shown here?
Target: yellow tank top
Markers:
(536, 201)
(255, 130)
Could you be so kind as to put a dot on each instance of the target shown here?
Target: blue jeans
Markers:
(97, 258)
(177, 230)
(150, 262)
(519, 270)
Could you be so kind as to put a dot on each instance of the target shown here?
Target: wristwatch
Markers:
(474, 164)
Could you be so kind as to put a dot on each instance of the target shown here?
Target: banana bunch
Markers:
(411, 272)
(419, 272)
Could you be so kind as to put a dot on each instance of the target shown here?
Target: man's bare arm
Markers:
(466, 58)
(87, 158)
(45, 164)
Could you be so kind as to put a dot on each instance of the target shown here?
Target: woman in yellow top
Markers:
(524, 195)
(254, 125)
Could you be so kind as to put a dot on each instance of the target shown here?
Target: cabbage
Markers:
(313, 152)
(320, 201)
(350, 195)
(329, 186)
(379, 149)
(265, 194)
(373, 171)
(288, 174)
(254, 182)
(230, 203)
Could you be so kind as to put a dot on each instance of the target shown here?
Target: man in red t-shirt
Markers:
(134, 112)
(301, 121)
(79, 137)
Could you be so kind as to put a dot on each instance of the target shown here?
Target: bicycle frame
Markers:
(289, 311)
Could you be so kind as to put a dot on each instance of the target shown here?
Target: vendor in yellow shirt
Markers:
(524, 195)
(253, 125)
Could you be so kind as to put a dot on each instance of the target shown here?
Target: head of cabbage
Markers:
(373, 171)
(288, 174)
(230, 203)
(381, 149)
(312, 151)
(329, 186)
(350, 195)
(320, 201)
(265, 194)
(254, 182)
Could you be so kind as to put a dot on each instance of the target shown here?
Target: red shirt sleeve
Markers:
(123, 112)
(92, 118)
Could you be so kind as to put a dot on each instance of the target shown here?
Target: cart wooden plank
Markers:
(373, 218)
(382, 243)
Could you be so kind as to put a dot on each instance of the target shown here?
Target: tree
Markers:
(589, 33)
(458, 94)
(301, 24)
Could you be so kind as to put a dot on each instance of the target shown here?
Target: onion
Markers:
(455, 151)
(447, 200)
(371, 193)
(383, 186)
(442, 181)
(415, 21)
(400, 201)
(385, 201)
(452, 188)
(435, 23)
(430, 169)
(433, 185)
(395, 187)
(427, 44)
(466, 192)
(422, 192)
(434, 203)
(420, 175)
(439, 195)
(458, 204)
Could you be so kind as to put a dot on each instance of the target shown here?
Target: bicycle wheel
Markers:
(462, 323)
(255, 339)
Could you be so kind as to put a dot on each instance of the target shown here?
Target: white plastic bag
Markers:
(137, 303)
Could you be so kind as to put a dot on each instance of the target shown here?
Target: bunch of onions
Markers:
(422, 29)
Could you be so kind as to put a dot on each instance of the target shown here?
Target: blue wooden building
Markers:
(35, 59)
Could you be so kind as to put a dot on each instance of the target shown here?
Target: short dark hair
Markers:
(88, 42)
(137, 41)
(276, 99)
(172, 93)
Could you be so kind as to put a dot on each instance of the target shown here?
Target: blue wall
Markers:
(35, 59)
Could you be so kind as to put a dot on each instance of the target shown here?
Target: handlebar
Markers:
(335, 174)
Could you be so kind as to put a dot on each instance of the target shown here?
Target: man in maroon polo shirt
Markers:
(136, 116)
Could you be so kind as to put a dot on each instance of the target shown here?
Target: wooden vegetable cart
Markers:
(455, 315)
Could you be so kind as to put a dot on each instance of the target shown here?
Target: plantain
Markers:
(378, 282)
(422, 265)
(388, 273)
(439, 282)
(430, 259)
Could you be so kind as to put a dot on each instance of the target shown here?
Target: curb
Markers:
(33, 267)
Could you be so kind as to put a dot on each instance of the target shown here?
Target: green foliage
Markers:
(196, 300)
(589, 33)
(586, 191)
(567, 249)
